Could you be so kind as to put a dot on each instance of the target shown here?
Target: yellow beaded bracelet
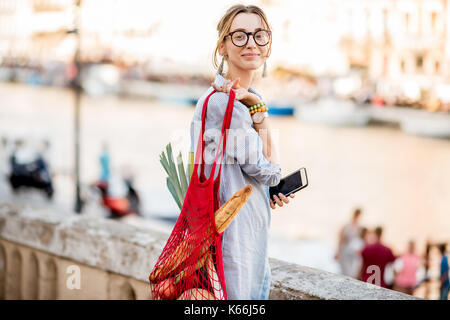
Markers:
(256, 106)
(253, 111)
(260, 107)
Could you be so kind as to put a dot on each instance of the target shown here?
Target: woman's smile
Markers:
(251, 55)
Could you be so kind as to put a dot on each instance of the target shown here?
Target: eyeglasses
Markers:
(240, 38)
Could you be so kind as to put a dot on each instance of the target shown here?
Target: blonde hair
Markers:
(224, 25)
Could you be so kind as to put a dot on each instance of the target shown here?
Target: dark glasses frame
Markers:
(248, 37)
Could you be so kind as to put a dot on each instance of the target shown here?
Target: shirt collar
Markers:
(220, 80)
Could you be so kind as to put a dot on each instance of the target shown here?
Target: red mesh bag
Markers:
(190, 266)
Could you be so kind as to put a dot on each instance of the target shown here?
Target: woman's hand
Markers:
(242, 94)
(280, 200)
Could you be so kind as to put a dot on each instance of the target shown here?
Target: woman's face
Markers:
(251, 56)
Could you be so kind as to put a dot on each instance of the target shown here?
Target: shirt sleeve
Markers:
(244, 145)
(391, 256)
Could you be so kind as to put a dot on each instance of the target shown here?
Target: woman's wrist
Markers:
(261, 125)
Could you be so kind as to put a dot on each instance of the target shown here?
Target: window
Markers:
(433, 21)
(407, 21)
(437, 67)
(419, 62)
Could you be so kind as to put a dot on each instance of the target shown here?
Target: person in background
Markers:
(105, 160)
(364, 236)
(427, 278)
(358, 246)
(348, 246)
(44, 151)
(376, 255)
(22, 153)
(43, 158)
(406, 267)
(444, 275)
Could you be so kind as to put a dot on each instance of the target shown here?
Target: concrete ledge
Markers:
(294, 282)
(96, 242)
(132, 251)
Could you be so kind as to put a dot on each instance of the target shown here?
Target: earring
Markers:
(264, 70)
(220, 69)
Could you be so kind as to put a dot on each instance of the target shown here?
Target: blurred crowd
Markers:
(363, 255)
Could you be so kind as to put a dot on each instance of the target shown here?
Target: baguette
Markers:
(188, 271)
(226, 213)
(213, 277)
(196, 294)
(175, 261)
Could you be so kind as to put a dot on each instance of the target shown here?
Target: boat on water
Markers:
(414, 121)
(180, 101)
(175, 93)
(435, 126)
(334, 112)
(281, 109)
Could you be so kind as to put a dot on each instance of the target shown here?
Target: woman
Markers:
(406, 267)
(249, 157)
(350, 246)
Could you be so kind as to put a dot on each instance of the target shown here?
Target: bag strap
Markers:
(201, 143)
(224, 134)
(225, 127)
(199, 157)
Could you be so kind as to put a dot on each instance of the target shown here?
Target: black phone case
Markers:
(274, 190)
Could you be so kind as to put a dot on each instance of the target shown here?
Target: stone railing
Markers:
(48, 255)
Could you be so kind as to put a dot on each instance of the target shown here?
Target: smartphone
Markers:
(292, 183)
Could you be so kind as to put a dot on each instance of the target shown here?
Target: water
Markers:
(400, 181)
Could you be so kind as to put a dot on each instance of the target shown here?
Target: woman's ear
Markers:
(222, 50)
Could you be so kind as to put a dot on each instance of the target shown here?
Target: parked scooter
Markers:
(32, 174)
(119, 206)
